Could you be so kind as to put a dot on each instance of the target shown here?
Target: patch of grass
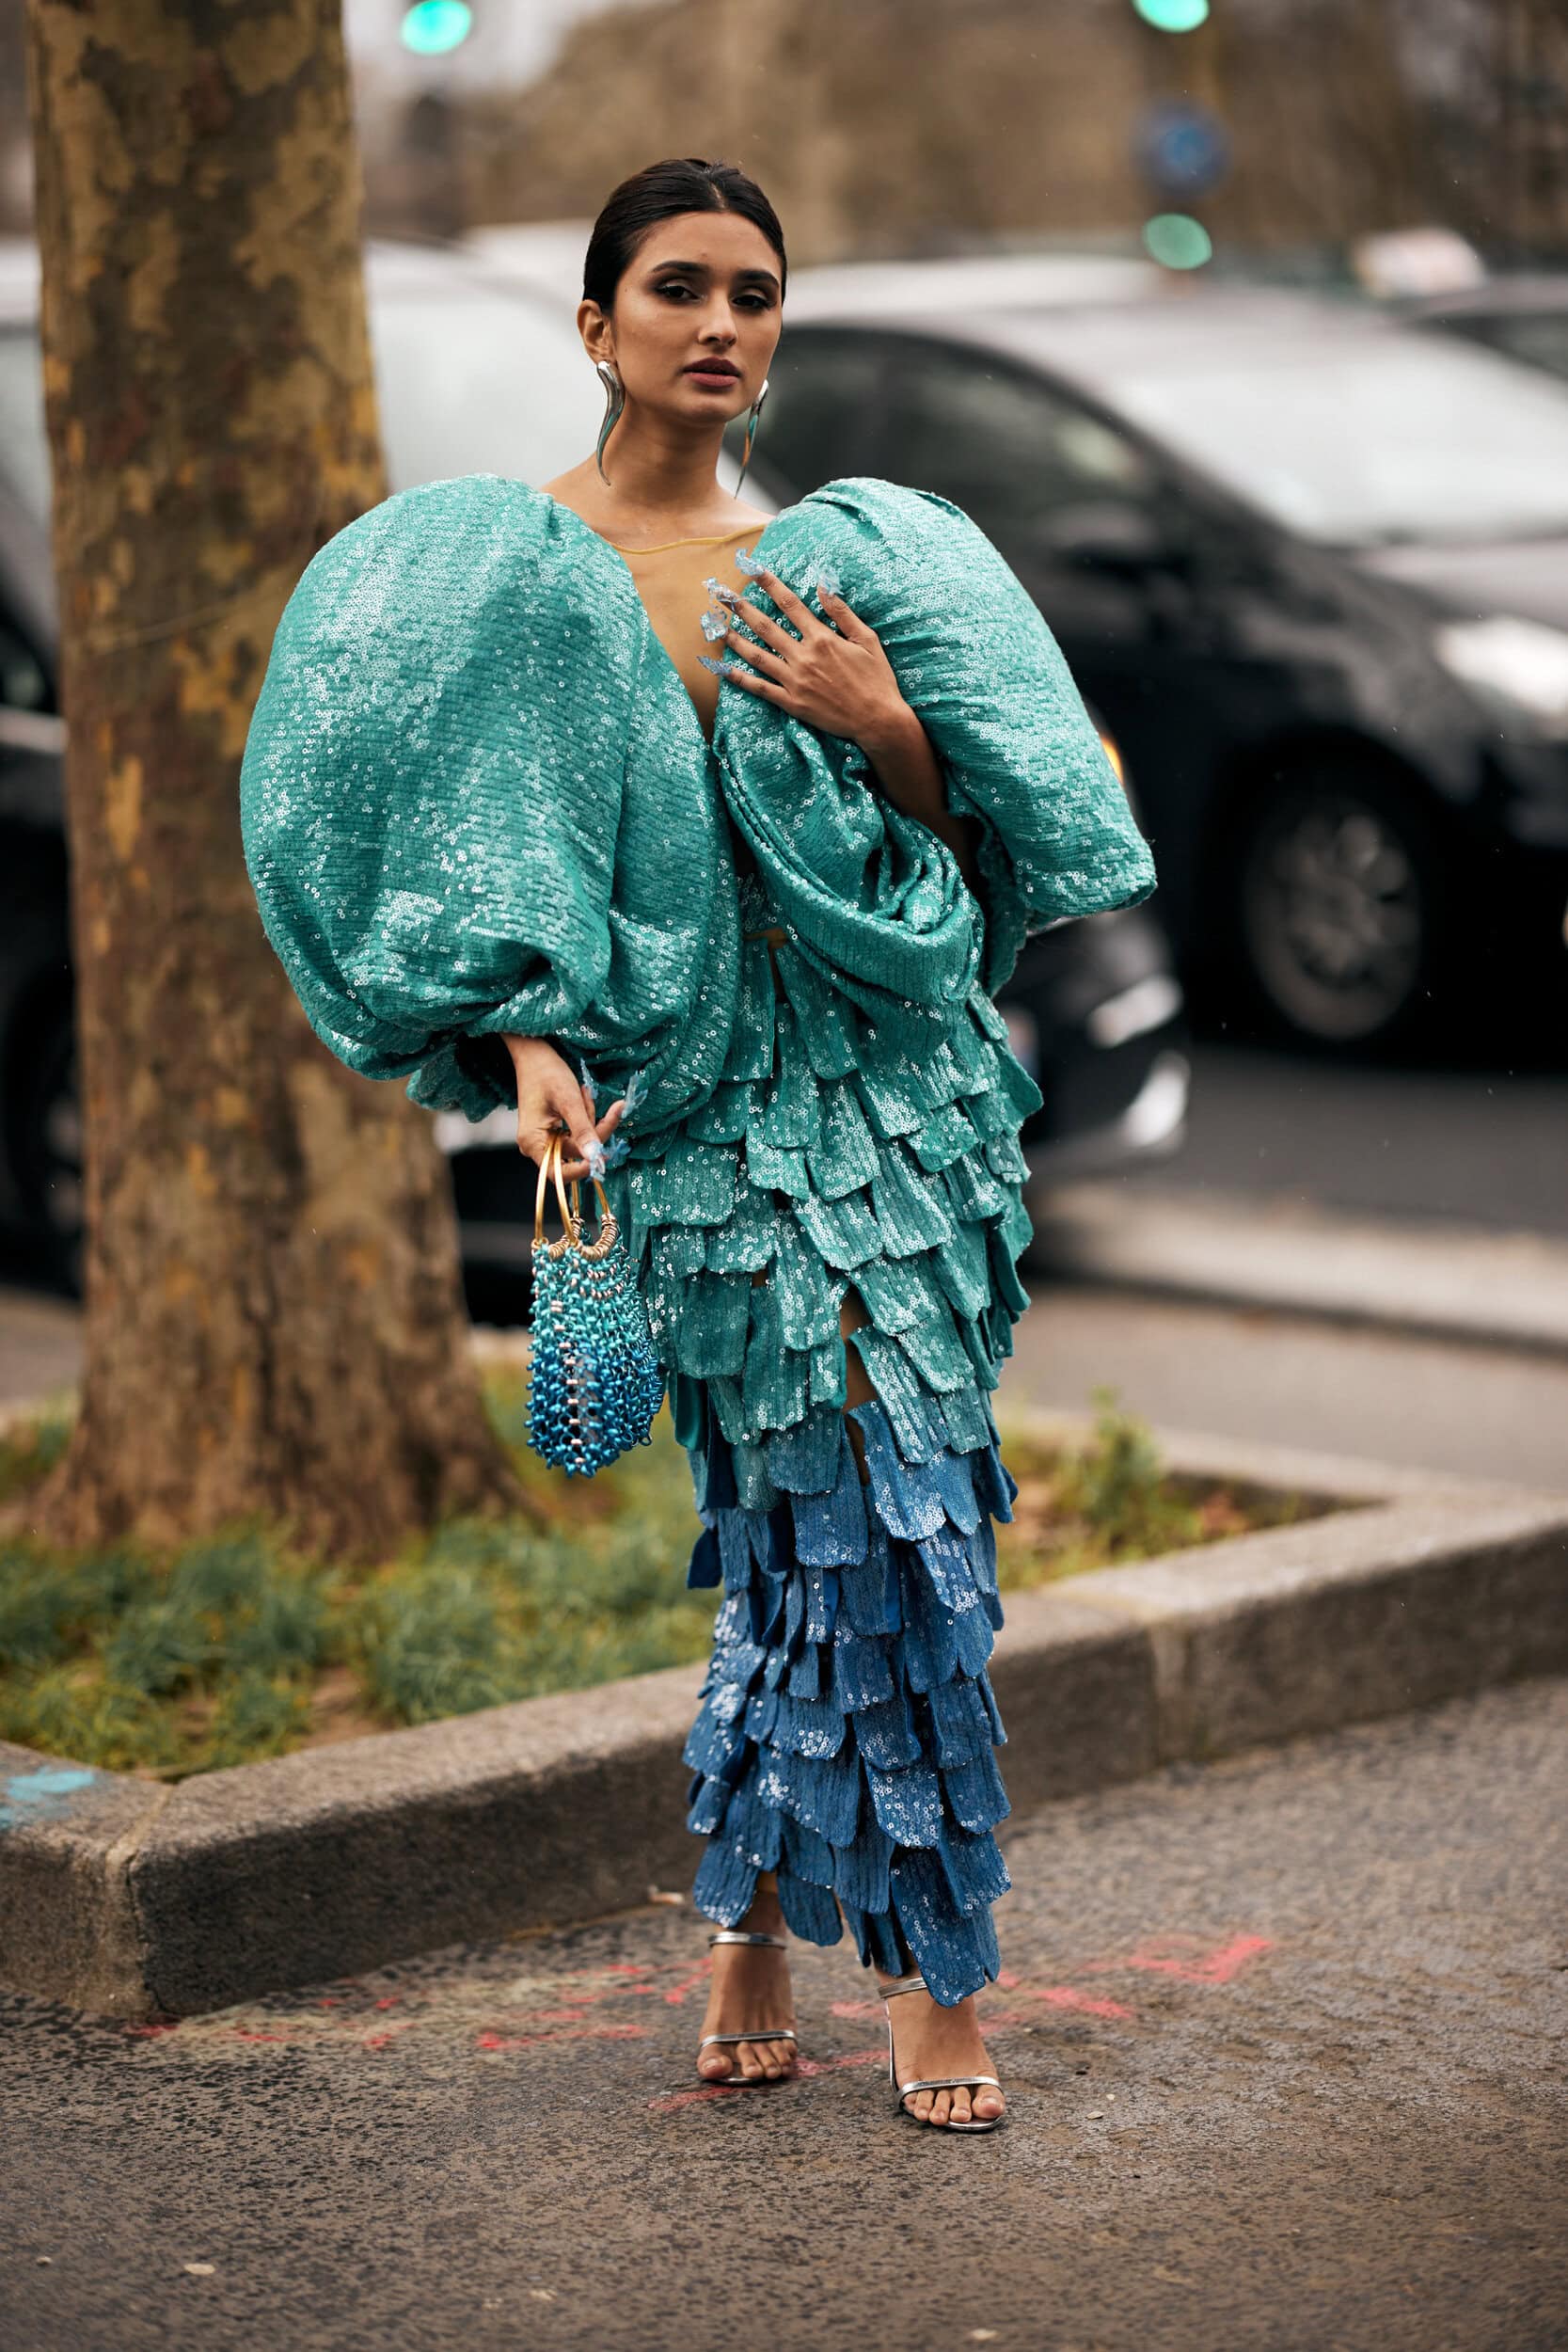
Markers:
(233, 1648)
(1112, 1500)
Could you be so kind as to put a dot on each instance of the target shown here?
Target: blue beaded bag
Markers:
(594, 1383)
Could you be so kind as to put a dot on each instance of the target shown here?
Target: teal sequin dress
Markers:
(846, 1733)
(475, 799)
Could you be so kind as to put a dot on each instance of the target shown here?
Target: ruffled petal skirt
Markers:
(847, 1730)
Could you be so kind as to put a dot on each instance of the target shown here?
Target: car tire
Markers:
(1337, 910)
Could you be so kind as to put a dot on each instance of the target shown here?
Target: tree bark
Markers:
(275, 1318)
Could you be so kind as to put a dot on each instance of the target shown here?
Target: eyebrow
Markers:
(762, 277)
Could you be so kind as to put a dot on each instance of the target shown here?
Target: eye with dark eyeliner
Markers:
(758, 302)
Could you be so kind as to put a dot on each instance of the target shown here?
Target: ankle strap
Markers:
(747, 1935)
(905, 1985)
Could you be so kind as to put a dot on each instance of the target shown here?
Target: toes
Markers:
(750, 2060)
(959, 2113)
(988, 2104)
(784, 2053)
(714, 2065)
(939, 2107)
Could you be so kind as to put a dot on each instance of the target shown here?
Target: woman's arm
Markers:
(910, 773)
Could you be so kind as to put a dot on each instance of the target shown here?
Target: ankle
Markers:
(766, 1915)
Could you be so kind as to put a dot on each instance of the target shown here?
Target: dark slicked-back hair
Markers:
(681, 184)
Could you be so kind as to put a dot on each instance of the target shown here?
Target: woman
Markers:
(508, 818)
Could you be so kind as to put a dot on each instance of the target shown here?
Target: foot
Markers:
(930, 2040)
(750, 1987)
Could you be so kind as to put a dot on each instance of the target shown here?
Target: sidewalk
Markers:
(1449, 1281)
(1276, 2037)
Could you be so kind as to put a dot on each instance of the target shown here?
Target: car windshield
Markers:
(1362, 444)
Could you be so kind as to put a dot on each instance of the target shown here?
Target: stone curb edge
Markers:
(131, 1900)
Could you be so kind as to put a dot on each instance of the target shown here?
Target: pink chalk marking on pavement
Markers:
(563, 2033)
(676, 1993)
(672, 2101)
(1068, 1996)
(1205, 1964)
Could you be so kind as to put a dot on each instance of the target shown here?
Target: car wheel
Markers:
(1337, 910)
(46, 1145)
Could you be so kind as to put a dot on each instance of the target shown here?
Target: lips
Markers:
(711, 367)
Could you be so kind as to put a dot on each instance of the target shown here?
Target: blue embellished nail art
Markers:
(588, 1079)
(722, 669)
(747, 562)
(594, 1152)
(715, 625)
(828, 583)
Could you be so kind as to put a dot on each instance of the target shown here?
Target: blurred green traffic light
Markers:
(1177, 241)
(433, 26)
(1172, 16)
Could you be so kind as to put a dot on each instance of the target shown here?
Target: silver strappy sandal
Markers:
(753, 2033)
(934, 2082)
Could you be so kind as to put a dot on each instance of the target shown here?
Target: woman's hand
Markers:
(841, 680)
(838, 679)
(550, 1101)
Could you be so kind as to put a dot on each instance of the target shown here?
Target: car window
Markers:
(1540, 338)
(467, 381)
(1013, 451)
(820, 419)
(470, 381)
(1357, 441)
(23, 444)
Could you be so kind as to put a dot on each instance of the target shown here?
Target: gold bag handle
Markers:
(571, 1219)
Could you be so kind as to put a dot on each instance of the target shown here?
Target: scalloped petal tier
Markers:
(846, 1733)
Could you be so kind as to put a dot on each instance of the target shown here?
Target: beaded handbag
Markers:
(594, 1383)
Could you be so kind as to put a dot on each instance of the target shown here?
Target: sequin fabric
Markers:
(477, 798)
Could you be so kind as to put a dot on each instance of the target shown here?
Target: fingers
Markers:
(584, 1155)
(786, 598)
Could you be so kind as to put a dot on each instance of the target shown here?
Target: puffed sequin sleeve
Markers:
(1019, 751)
(429, 811)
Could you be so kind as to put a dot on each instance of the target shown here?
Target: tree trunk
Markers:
(275, 1318)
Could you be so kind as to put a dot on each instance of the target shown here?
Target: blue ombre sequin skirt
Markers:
(847, 1732)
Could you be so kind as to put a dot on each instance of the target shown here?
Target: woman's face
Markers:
(701, 286)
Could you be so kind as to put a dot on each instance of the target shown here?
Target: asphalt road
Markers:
(1286, 1379)
(1283, 2039)
(1477, 1142)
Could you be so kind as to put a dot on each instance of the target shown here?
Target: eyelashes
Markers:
(674, 285)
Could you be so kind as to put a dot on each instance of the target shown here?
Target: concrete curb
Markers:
(1443, 1281)
(140, 1901)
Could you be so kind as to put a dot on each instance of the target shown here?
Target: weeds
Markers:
(225, 1651)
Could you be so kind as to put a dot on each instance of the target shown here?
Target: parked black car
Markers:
(1311, 565)
(475, 374)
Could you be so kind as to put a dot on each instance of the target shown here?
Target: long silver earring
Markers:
(615, 400)
(750, 431)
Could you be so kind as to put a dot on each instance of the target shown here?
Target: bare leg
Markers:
(927, 2039)
(750, 1986)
